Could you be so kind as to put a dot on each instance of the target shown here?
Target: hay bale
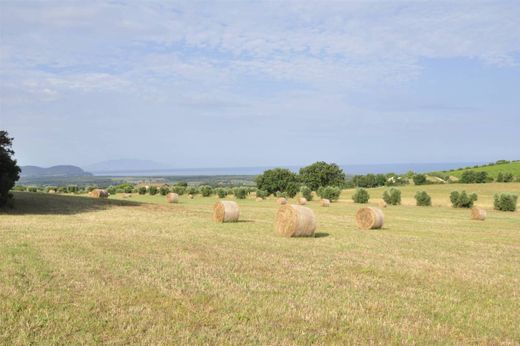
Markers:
(302, 201)
(478, 213)
(281, 201)
(325, 202)
(99, 193)
(370, 218)
(190, 196)
(172, 197)
(226, 211)
(295, 221)
(127, 195)
(258, 199)
(382, 204)
(51, 191)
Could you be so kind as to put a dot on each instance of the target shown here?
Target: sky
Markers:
(253, 83)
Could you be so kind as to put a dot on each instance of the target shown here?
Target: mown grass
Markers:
(142, 271)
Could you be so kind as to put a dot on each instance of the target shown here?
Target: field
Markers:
(512, 167)
(76, 270)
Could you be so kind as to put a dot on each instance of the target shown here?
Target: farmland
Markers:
(138, 270)
(492, 170)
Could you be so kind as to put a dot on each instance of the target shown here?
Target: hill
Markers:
(492, 169)
(125, 165)
(54, 171)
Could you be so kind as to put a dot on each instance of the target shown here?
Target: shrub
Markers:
(20, 188)
(505, 201)
(112, 190)
(361, 196)
(392, 196)
(141, 190)
(393, 179)
(221, 192)
(125, 188)
(292, 189)
(278, 179)
(32, 189)
(470, 176)
(72, 188)
(152, 190)
(240, 192)
(321, 174)
(179, 189)
(281, 194)
(306, 192)
(419, 179)
(262, 193)
(164, 190)
(423, 199)
(331, 193)
(206, 190)
(192, 190)
(462, 199)
(181, 184)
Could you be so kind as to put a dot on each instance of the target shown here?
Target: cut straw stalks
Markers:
(370, 218)
(172, 197)
(478, 213)
(226, 211)
(295, 221)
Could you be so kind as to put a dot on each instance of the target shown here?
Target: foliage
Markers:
(392, 196)
(164, 190)
(152, 190)
(179, 189)
(321, 174)
(423, 199)
(331, 193)
(221, 192)
(192, 190)
(181, 184)
(112, 190)
(32, 189)
(206, 190)
(361, 196)
(125, 187)
(240, 192)
(462, 199)
(262, 193)
(393, 179)
(277, 179)
(506, 177)
(280, 194)
(306, 192)
(420, 179)
(141, 190)
(72, 189)
(369, 180)
(470, 176)
(505, 201)
(9, 170)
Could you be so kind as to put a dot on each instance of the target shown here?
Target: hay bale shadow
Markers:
(32, 203)
(321, 235)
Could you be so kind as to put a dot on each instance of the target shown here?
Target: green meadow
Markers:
(77, 270)
(492, 171)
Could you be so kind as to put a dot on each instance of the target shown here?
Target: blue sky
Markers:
(214, 84)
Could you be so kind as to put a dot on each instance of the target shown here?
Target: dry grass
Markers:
(80, 270)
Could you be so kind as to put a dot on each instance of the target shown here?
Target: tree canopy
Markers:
(321, 174)
(9, 170)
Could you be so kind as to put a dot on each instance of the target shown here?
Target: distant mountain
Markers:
(125, 165)
(54, 171)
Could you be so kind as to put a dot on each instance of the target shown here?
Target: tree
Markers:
(9, 170)
(419, 179)
(278, 179)
(322, 174)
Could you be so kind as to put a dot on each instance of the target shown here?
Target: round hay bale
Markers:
(478, 213)
(258, 199)
(127, 195)
(281, 201)
(302, 201)
(190, 196)
(325, 202)
(51, 191)
(226, 211)
(370, 218)
(99, 193)
(295, 221)
(172, 197)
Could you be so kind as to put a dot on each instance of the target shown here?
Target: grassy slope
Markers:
(513, 167)
(78, 270)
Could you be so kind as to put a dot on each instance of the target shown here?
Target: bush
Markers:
(181, 184)
(470, 176)
(262, 193)
(306, 192)
(423, 199)
(112, 190)
(292, 189)
(206, 190)
(278, 179)
(125, 188)
(32, 189)
(419, 179)
(20, 188)
(192, 190)
(505, 177)
(321, 174)
(392, 196)
(393, 179)
(179, 189)
(164, 190)
(280, 194)
(361, 196)
(152, 190)
(72, 188)
(240, 192)
(221, 192)
(462, 199)
(141, 190)
(331, 193)
(505, 201)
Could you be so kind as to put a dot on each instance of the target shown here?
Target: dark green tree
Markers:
(278, 179)
(9, 170)
(322, 174)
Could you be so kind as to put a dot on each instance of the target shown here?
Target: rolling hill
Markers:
(492, 169)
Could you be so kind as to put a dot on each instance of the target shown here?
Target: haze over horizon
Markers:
(260, 84)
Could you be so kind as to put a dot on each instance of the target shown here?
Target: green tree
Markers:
(322, 174)
(419, 179)
(278, 179)
(9, 170)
